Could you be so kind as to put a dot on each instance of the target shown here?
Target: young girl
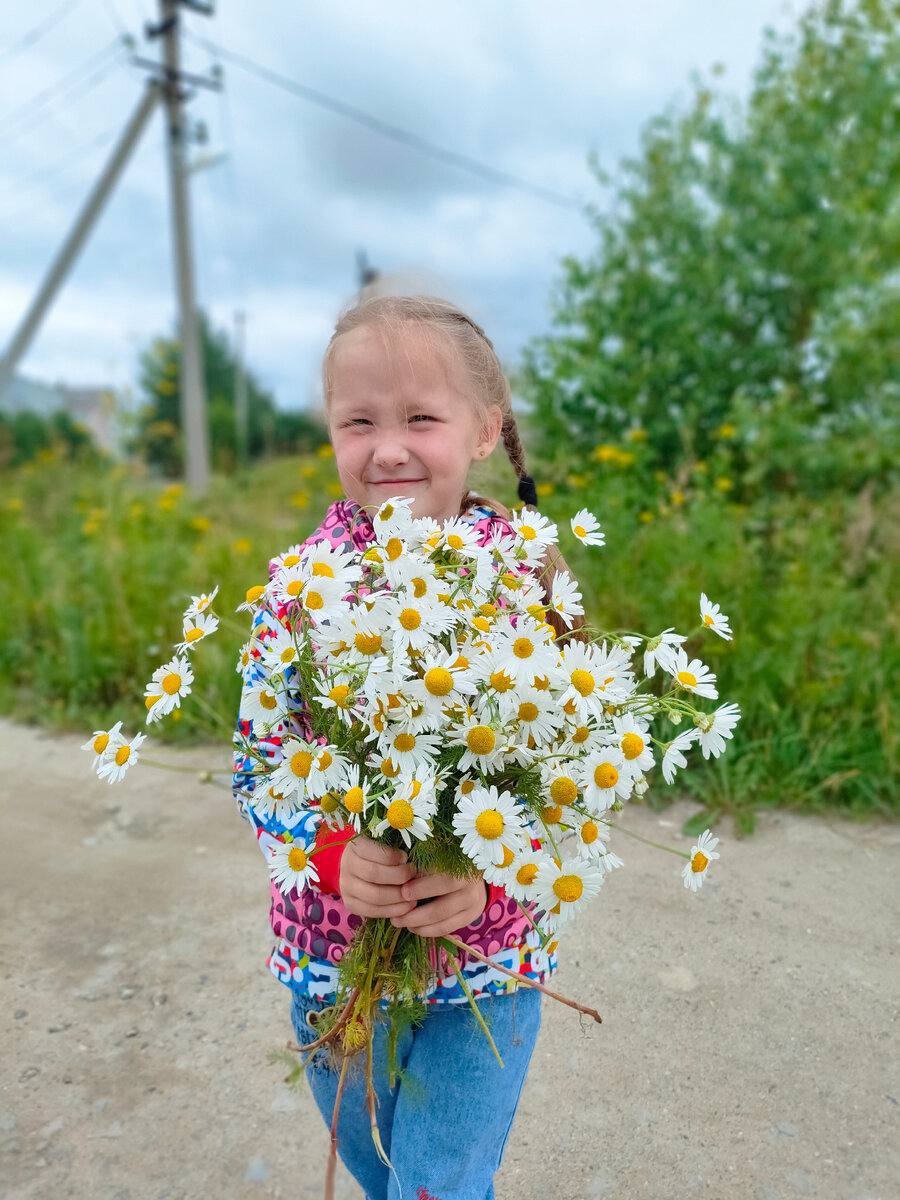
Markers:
(414, 394)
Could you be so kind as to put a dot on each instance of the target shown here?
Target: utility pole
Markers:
(240, 390)
(194, 425)
(84, 223)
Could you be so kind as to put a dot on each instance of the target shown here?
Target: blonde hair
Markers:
(465, 344)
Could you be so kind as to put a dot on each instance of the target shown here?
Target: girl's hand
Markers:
(456, 903)
(371, 879)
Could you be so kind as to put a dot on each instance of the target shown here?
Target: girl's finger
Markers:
(376, 853)
(424, 887)
(392, 876)
(376, 894)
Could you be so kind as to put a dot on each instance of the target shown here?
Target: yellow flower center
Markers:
(410, 619)
(301, 764)
(527, 532)
(373, 555)
(583, 682)
(527, 711)
(314, 600)
(388, 769)
(420, 587)
(482, 624)
(386, 513)
(480, 739)
(122, 755)
(323, 570)
(339, 695)
(508, 856)
(329, 803)
(580, 531)
(400, 814)
(527, 874)
(101, 742)
(552, 814)
(467, 786)
(325, 761)
(523, 647)
(632, 745)
(489, 824)
(354, 800)
(699, 862)
(297, 858)
(404, 742)
(589, 833)
(171, 683)
(367, 643)
(290, 560)
(267, 699)
(455, 542)
(294, 588)
(563, 790)
(501, 682)
(686, 679)
(707, 619)
(568, 888)
(462, 663)
(254, 593)
(488, 610)
(393, 549)
(193, 635)
(581, 734)
(606, 775)
(438, 681)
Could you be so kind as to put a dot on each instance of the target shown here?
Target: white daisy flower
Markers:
(416, 577)
(488, 822)
(410, 751)
(565, 598)
(200, 604)
(323, 562)
(280, 653)
(610, 861)
(339, 696)
(659, 649)
(586, 528)
(271, 800)
(521, 882)
(693, 676)
(498, 873)
(714, 619)
(460, 537)
(416, 622)
(120, 759)
(443, 683)
(594, 677)
(534, 533)
(296, 766)
(262, 704)
(630, 735)
(291, 866)
(330, 808)
(104, 743)
(673, 755)
(565, 889)
(328, 767)
(579, 738)
(529, 645)
(253, 598)
(484, 745)
(394, 519)
(168, 684)
(535, 714)
(409, 810)
(197, 628)
(591, 835)
(245, 656)
(701, 856)
(714, 728)
(604, 776)
(290, 558)
(562, 783)
(356, 799)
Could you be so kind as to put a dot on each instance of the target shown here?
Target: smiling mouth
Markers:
(393, 482)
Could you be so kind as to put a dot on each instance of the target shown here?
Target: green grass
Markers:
(100, 563)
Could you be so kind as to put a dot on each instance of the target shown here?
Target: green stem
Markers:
(449, 948)
(647, 841)
(161, 766)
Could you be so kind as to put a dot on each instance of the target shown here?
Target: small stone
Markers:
(29, 1073)
(258, 1171)
(111, 1131)
(61, 1027)
(126, 993)
(52, 1127)
(67, 1078)
(20, 1013)
(131, 1033)
(787, 1129)
(160, 999)
(99, 1105)
(7, 1122)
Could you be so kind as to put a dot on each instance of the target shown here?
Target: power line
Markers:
(27, 40)
(11, 217)
(76, 82)
(483, 170)
(116, 17)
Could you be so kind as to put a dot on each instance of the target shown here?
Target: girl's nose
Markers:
(390, 452)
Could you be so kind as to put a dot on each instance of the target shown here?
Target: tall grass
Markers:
(98, 565)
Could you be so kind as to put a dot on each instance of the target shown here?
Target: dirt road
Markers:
(746, 1049)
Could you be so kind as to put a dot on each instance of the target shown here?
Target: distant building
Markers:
(93, 407)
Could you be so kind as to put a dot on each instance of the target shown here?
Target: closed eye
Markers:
(422, 417)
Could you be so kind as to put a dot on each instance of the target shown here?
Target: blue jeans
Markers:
(445, 1122)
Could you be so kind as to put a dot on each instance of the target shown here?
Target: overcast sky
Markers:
(527, 87)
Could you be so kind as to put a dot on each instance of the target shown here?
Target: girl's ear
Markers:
(490, 431)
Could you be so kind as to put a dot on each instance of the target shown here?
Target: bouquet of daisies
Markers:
(447, 698)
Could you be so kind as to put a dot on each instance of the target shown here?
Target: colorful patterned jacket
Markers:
(313, 927)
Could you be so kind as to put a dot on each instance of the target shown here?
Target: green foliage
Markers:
(745, 272)
(25, 437)
(269, 431)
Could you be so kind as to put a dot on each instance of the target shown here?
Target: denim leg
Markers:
(355, 1145)
(456, 1105)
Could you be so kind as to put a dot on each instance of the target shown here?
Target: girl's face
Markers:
(402, 422)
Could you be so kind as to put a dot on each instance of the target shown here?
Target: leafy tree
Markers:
(24, 436)
(749, 263)
(158, 436)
